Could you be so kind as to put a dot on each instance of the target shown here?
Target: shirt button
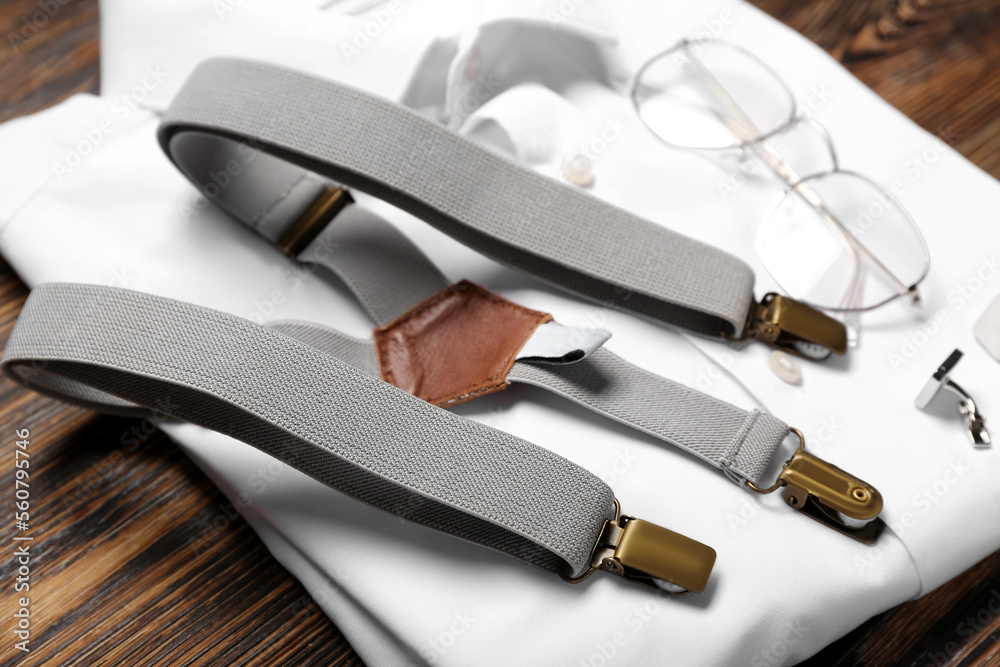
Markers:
(785, 367)
(578, 170)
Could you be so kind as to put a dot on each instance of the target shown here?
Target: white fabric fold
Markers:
(553, 343)
(121, 214)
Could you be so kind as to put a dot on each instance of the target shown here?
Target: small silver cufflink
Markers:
(966, 406)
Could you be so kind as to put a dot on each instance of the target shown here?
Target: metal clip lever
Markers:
(974, 419)
(650, 555)
(795, 327)
(829, 495)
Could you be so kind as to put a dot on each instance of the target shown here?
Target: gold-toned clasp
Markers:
(826, 493)
(795, 327)
(298, 235)
(648, 554)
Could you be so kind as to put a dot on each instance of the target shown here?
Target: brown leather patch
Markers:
(456, 345)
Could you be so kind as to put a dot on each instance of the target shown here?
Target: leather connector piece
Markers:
(455, 345)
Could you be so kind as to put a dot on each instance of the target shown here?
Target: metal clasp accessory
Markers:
(974, 420)
(795, 327)
(650, 555)
(826, 493)
(304, 231)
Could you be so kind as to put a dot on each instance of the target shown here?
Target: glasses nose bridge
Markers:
(788, 154)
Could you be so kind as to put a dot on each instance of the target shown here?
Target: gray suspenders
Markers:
(273, 147)
(305, 132)
(131, 353)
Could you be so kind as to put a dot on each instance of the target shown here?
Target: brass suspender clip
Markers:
(828, 494)
(298, 235)
(650, 555)
(795, 327)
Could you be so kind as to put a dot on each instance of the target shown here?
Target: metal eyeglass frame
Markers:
(751, 138)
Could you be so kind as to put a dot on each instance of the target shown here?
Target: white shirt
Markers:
(91, 198)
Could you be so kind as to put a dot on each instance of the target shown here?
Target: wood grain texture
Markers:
(136, 560)
(49, 50)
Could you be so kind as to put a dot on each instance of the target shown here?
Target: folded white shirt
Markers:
(92, 198)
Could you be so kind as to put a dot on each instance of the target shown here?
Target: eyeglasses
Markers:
(834, 239)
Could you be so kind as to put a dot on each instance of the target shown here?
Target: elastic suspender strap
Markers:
(124, 351)
(386, 270)
(742, 443)
(260, 140)
(739, 442)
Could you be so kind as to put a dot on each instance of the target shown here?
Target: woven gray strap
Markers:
(262, 140)
(389, 274)
(739, 442)
(135, 353)
(385, 270)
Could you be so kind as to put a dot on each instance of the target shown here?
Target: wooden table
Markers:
(115, 579)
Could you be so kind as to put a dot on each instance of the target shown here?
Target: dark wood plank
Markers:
(934, 61)
(49, 50)
(122, 573)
